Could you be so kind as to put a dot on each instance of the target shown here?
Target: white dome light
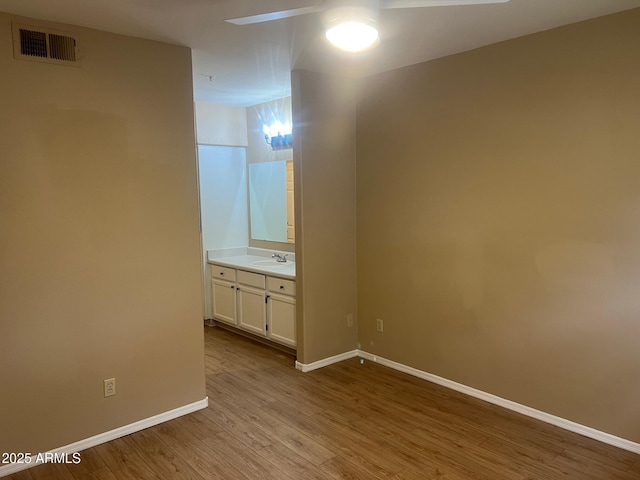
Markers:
(352, 35)
(352, 28)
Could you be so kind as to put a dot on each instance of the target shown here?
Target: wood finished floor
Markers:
(347, 421)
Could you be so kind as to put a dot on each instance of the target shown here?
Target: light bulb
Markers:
(352, 35)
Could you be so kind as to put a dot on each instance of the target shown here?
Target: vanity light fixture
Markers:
(280, 142)
(274, 136)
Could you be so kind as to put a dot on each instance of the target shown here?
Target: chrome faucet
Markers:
(280, 258)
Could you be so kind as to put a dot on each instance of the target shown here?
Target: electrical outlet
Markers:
(349, 320)
(379, 325)
(109, 387)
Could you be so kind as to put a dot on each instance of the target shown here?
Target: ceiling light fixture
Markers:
(353, 29)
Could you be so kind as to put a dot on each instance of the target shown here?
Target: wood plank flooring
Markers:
(353, 420)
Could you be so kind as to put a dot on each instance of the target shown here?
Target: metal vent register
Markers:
(42, 45)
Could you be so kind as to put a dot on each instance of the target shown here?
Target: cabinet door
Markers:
(223, 295)
(251, 311)
(281, 318)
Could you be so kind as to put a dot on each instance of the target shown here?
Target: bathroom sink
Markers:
(269, 263)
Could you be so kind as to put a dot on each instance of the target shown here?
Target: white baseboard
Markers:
(307, 367)
(110, 435)
(508, 404)
(487, 397)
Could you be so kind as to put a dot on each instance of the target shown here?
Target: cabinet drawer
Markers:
(223, 273)
(251, 279)
(280, 285)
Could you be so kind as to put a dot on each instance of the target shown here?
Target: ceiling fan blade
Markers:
(267, 17)
(434, 3)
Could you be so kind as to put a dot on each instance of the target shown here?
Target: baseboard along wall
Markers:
(107, 436)
(487, 397)
(473, 392)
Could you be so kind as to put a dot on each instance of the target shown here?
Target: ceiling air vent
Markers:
(44, 45)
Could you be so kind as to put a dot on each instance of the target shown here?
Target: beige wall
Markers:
(498, 209)
(324, 170)
(99, 244)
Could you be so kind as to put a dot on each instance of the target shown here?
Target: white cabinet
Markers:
(224, 301)
(257, 303)
(281, 310)
(281, 318)
(223, 294)
(251, 312)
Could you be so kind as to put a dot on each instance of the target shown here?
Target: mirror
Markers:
(271, 201)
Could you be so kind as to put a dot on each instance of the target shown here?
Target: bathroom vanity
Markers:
(255, 293)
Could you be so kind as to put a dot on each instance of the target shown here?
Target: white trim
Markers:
(487, 397)
(508, 404)
(304, 367)
(473, 392)
(111, 434)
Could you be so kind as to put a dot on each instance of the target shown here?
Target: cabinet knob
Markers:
(222, 274)
(233, 286)
(281, 287)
